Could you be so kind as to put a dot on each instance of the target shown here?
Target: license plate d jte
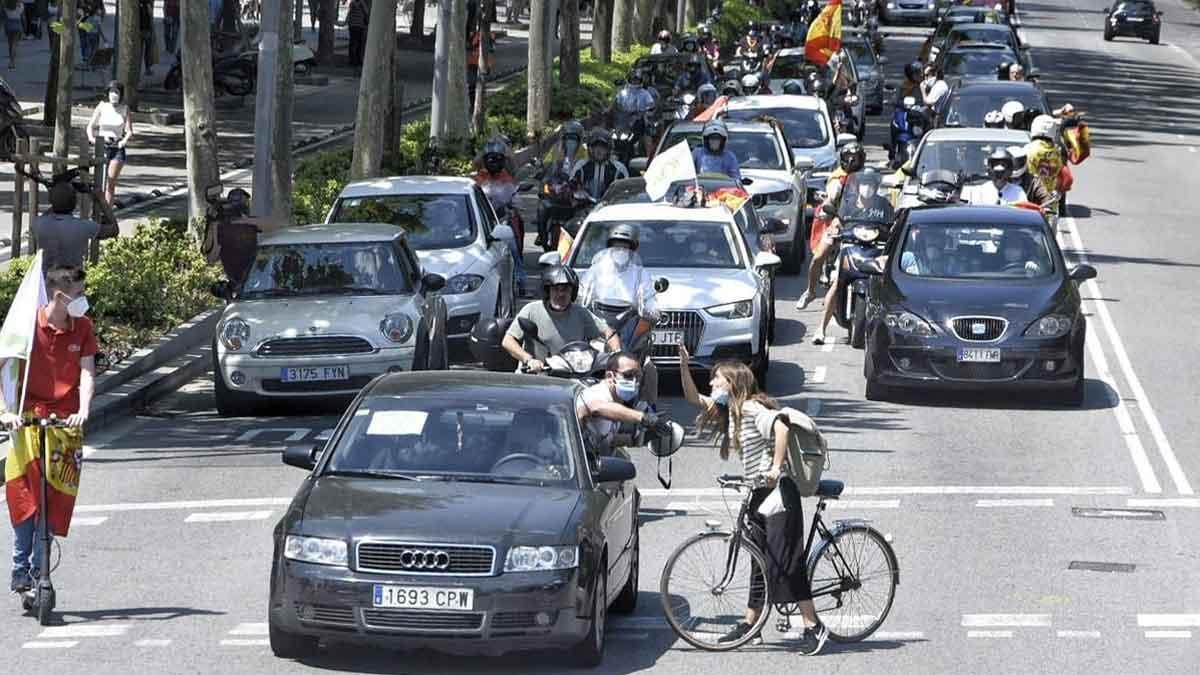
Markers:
(315, 374)
(668, 337)
(423, 597)
(979, 355)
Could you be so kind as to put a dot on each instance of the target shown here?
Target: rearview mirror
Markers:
(767, 260)
(220, 289)
(550, 258)
(613, 470)
(433, 282)
(639, 164)
(802, 162)
(301, 456)
(661, 285)
(882, 60)
(1082, 273)
(774, 226)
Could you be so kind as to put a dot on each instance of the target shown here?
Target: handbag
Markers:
(773, 504)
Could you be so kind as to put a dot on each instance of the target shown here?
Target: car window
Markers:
(431, 221)
(753, 149)
(976, 62)
(976, 251)
(790, 68)
(668, 243)
(803, 128)
(967, 158)
(1134, 8)
(323, 269)
(969, 110)
(969, 33)
(485, 207)
(446, 438)
(860, 53)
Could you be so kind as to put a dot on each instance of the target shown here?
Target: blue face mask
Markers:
(627, 390)
(720, 397)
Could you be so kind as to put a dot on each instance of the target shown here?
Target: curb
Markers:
(168, 347)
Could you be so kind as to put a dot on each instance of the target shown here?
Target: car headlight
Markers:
(908, 324)
(866, 233)
(1049, 326)
(535, 558)
(315, 550)
(235, 333)
(891, 5)
(734, 310)
(581, 361)
(781, 197)
(462, 283)
(396, 327)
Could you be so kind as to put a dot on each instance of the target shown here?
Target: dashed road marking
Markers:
(249, 629)
(1007, 503)
(827, 347)
(1169, 634)
(1168, 620)
(81, 631)
(818, 376)
(1185, 502)
(1019, 620)
(87, 521)
(226, 516)
(59, 644)
(151, 642)
(990, 634)
(245, 643)
(897, 635)
(1079, 634)
(185, 504)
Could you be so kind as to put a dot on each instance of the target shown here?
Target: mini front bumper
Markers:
(338, 603)
(263, 376)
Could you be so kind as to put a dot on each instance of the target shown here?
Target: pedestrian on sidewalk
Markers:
(13, 18)
(314, 12)
(357, 17)
(149, 39)
(91, 14)
(171, 25)
(61, 378)
(31, 20)
(112, 121)
(62, 237)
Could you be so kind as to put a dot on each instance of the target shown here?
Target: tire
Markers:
(764, 363)
(45, 611)
(590, 652)
(288, 645)
(710, 547)
(626, 602)
(239, 82)
(824, 566)
(1077, 393)
(858, 324)
(876, 391)
(506, 310)
(230, 403)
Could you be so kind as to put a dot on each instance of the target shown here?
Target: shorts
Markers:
(13, 28)
(115, 152)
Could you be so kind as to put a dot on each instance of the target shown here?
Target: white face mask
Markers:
(78, 307)
(621, 256)
(114, 98)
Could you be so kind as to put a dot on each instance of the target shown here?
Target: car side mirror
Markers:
(802, 163)
(221, 289)
(661, 285)
(882, 60)
(1082, 273)
(639, 164)
(774, 226)
(747, 181)
(503, 233)
(301, 456)
(765, 260)
(550, 258)
(613, 470)
(433, 282)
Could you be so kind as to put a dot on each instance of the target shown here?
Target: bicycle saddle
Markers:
(830, 489)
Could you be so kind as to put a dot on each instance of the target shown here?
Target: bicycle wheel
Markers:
(853, 577)
(700, 606)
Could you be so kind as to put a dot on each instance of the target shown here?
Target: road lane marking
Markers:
(226, 516)
(1082, 634)
(188, 504)
(87, 521)
(250, 629)
(1184, 502)
(897, 635)
(150, 642)
(818, 376)
(295, 434)
(61, 644)
(1135, 384)
(828, 346)
(1005, 503)
(1168, 620)
(900, 490)
(81, 631)
(1021, 620)
(1169, 634)
(833, 504)
(245, 643)
(990, 634)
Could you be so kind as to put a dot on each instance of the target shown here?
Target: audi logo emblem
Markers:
(664, 321)
(417, 559)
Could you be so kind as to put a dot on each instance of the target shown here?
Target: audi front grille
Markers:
(420, 621)
(690, 323)
(429, 559)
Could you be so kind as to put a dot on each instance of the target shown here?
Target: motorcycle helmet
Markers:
(485, 343)
(1000, 164)
(793, 87)
(912, 71)
(664, 36)
(705, 32)
(994, 120)
(495, 156)
(559, 275)
(1002, 70)
(750, 83)
(1019, 157)
(1012, 111)
(637, 78)
(572, 138)
(731, 88)
(627, 234)
(690, 44)
(1044, 126)
(706, 94)
(715, 129)
(852, 157)
(597, 139)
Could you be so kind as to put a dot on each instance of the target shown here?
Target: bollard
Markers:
(18, 198)
(35, 149)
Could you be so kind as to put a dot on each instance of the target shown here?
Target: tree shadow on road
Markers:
(1097, 396)
(134, 614)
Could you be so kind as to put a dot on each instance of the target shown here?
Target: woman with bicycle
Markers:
(733, 411)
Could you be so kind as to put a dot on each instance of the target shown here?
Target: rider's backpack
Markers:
(807, 453)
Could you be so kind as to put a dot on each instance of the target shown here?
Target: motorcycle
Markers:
(234, 74)
(844, 120)
(866, 215)
(562, 202)
(12, 119)
(627, 138)
(909, 123)
(681, 108)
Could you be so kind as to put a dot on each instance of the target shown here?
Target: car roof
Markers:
(475, 385)
(979, 47)
(659, 211)
(953, 134)
(976, 215)
(731, 125)
(774, 101)
(1001, 87)
(994, 27)
(332, 233)
(790, 51)
(409, 185)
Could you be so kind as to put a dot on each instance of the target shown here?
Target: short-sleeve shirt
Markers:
(596, 426)
(63, 239)
(54, 366)
(556, 329)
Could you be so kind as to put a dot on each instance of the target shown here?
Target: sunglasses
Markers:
(629, 374)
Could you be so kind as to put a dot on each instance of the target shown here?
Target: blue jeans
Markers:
(518, 263)
(27, 547)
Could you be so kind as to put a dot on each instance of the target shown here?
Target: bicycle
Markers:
(853, 574)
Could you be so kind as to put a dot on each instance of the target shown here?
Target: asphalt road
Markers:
(167, 569)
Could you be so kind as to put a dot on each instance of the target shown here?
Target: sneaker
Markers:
(819, 339)
(813, 640)
(21, 583)
(739, 631)
(805, 300)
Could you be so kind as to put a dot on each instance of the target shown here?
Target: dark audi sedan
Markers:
(975, 297)
(459, 512)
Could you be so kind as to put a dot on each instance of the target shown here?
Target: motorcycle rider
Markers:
(934, 87)
(663, 44)
(559, 321)
(690, 45)
(1014, 115)
(751, 85)
(832, 296)
(600, 169)
(564, 158)
(712, 156)
(793, 88)
(750, 46)
(706, 95)
(912, 82)
(851, 158)
(692, 78)
(1043, 158)
(710, 47)
(634, 102)
(1000, 190)
(500, 186)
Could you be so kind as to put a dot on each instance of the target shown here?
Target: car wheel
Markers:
(876, 391)
(764, 363)
(288, 645)
(794, 262)
(626, 601)
(591, 651)
(230, 403)
(858, 324)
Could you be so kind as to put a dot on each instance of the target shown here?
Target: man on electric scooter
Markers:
(61, 373)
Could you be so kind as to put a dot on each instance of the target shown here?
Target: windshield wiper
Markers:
(272, 293)
(346, 290)
(373, 473)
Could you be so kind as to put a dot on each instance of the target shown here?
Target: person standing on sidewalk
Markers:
(356, 20)
(13, 24)
(113, 122)
(171, 25)
(149, 39)
(61, 236)
(91, 14)
(31, 20)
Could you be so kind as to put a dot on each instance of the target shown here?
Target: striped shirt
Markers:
(757, 449)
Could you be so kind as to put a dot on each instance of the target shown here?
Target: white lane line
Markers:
(990, 634)
(61, 644)
(833, 504)
(897, 635)
(245, 643)
(967, 490)
(87, 521)
(81, 631)
(990, 620)
(818, 376)
(1135, 384)
(1006, 503)
(1169, 634)
(226, 516)
(152, 643)
(813, 408)
(1168, 620)
(1183, 502)
(1191, 148)
(827, 347)
(836, 504)
(1080, 634)
(188, 504)
(249, 629)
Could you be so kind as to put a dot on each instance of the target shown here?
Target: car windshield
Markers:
(976, 251)
(860, 53)
(753, 149)
(439, 437)
(431, 221)
(668, 243)
(968, 158)
(1134, 8)
(969, 110)
(366, 268)
(969, 33)
(803, 128)
(976, 62)
(662, 73)
(794, 67)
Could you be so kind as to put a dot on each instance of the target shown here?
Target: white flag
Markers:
(669, 166)
(16, 337)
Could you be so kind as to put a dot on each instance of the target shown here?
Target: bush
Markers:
(735, 15)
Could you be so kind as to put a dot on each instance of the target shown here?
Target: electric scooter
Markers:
(41, 598)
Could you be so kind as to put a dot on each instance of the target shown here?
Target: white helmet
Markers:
(1019, 155)
(1010, 110)
(750, 83)
(1044, 126)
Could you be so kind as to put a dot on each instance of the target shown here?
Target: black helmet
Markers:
(624, 233)
(495, 155)
(793, 87)
(1000, 164)
(912, 71)
(62, 198)
(637, 77)
(690, 44)
(704, 31)
(852, 157)
(558, 275)
(1002, 70)
(601, 136)
(485, 343)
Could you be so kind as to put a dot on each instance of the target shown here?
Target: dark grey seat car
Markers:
(461, 512)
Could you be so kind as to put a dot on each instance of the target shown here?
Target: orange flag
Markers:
(825, 34)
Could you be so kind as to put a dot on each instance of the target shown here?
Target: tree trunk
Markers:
(479, 115)
(297, 20)
(417, 29)
(66, 65)
(458, 116)
(281, 158)
(441, 72)
(602, 16)
(691, 12)
(622, 25)
(538, 100)
(50, 102)
(551, 15)
(200, 119)
(644, 32)
(327, 31)
(129, 52)
(374, 90)
(568, 55)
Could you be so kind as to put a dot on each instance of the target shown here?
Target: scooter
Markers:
(11, 121)
(909, 123)
(41, 599)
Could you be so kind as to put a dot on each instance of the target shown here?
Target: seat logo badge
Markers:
(978, 329)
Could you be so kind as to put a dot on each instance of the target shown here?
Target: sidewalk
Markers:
(157, 155)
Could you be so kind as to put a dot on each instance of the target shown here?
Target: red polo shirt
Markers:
(54, 366)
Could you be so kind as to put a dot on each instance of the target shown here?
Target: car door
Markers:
(432, 306)
(499, 255)
(616, 504)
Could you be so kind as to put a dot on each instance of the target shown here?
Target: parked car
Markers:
(325, 309)
(452, 227)
(1133, 18)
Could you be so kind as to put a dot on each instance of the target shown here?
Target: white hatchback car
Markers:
(717, 301)
(455, 233)
(323, 310)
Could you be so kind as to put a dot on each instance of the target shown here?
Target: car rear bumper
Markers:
(1127, 29)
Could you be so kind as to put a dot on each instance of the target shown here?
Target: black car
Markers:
(969, 104)
(461, 512)
(971, 62)
(975, 297)
(1133, 18)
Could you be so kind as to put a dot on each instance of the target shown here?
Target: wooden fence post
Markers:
(18, 198)
(35, 150)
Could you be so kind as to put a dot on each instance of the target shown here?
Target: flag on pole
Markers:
(669, 166)
(16, 337)
(825, 34)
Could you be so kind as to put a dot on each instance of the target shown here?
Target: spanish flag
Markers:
(731, 198)
(825, 34)
(565, 241)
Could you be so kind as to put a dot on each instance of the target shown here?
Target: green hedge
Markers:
(735, 15)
